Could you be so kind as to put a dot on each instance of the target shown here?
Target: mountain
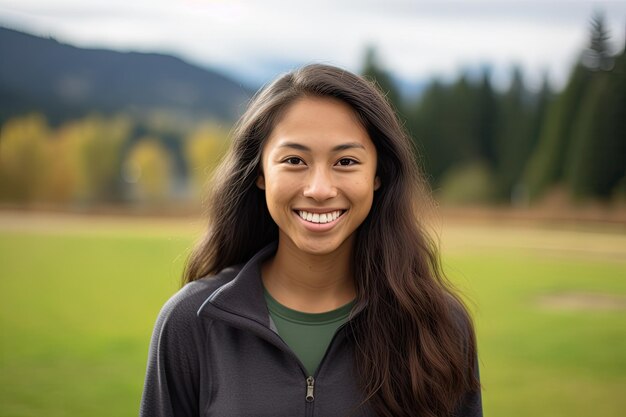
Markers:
(62, 81)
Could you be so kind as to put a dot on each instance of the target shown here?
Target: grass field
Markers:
(78, 298)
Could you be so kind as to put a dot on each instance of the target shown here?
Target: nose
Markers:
(320, 185)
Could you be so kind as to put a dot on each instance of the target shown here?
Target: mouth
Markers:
(320, 218)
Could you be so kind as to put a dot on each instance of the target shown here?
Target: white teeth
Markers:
(319, 218)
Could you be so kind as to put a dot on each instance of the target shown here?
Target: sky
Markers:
(256, 40)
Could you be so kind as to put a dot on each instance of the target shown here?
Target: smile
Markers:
(320, 218)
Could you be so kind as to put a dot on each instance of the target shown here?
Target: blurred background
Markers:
(114, 114)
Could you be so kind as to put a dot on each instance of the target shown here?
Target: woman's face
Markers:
(319, 174)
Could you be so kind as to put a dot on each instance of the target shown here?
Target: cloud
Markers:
(256, 39)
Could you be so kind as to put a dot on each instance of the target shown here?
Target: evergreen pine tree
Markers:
(597, 159)
(538, 117)
(425, 124)
(598, 55)
(486, 120)
(514, 137)
(460, 122)
(375, 72)
(546, 164)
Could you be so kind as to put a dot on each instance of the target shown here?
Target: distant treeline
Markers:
(482, 145)
(99, 159)
(477, 144)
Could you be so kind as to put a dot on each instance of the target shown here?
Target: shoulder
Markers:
(183, 306)
(462, 322)
(177, 350)
(470, 403)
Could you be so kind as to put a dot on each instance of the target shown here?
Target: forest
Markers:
(477, 144)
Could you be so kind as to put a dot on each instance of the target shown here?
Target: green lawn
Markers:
(77, 307)
(537, 361)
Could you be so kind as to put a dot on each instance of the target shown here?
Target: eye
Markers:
(293, 160)
(346, 162)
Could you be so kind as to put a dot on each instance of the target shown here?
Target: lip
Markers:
(319, 210)
(319, 227)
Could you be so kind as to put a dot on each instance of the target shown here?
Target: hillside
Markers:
(62, 81)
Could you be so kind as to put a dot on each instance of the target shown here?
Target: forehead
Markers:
(318, 122)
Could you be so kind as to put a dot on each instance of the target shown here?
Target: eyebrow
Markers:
(341, 147)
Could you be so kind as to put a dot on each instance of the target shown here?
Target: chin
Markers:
(321, 251)
(320, 248)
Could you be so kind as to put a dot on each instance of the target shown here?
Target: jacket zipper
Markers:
(310, 385)
(310, 380)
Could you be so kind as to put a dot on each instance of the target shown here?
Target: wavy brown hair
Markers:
(413, 339)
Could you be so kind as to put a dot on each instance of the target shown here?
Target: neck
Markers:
(308, 282)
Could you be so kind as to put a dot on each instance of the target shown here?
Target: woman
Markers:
(316, 290)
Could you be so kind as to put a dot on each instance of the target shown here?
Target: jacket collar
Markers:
(243, 295)
(242, 299)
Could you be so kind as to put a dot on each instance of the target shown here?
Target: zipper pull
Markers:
(309, 389)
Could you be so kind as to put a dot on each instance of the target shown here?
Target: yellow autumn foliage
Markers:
(148, 168)
(204, 148)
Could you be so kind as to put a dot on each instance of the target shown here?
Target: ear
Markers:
(260, 182)
(376, 183)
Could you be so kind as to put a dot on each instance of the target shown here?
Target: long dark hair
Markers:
(413, 339)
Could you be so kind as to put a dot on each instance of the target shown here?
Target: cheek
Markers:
(367, 188)
(279, 189)
(362, 188)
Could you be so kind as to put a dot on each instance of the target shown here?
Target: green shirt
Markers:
(307, 334)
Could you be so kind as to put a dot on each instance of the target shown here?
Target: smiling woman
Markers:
(319, 160)
(316, 291)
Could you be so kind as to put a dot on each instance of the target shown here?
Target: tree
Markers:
(546, 164)
(427, 131)
(486, 121)
(66, 181)
(598, 55)
(23, 158)
(100, 148)
(596, 161)
(375, 72)
(514, 140)
(541, 104)
(148, 168)
(448, 126)
(203, 149)
(521, 195)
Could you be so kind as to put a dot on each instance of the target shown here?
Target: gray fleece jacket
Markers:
(215, 353)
